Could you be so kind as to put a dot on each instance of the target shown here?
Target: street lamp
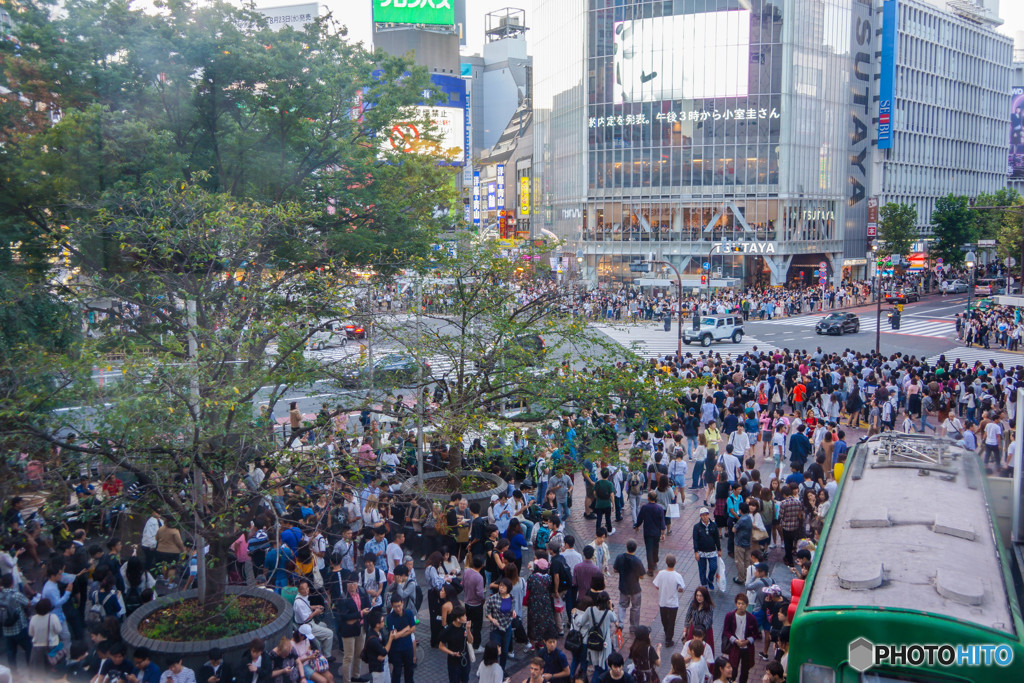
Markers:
(644, 266)
(970, 261)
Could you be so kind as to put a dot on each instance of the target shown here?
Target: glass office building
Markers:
(718, 132)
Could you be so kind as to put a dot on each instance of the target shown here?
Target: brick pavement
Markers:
(432, 665)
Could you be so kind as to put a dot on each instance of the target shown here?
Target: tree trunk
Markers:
(216, 574)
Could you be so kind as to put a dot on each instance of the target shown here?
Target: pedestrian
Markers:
(742, 531)
(15, 626)
(740, 631)
(616, 670)
(456, 640)
(351, 615)
(402, 625)
(646, 658)
(670, 585)
(791, 521)
(540, 603)
(700, 614)
(604, 492)
(707, 548)
(630, 570)
(652, 518)
(597, 623)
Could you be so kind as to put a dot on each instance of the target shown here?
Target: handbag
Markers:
(759, 535)
(519, 631)
(320, 663)
(673, 511)
(58, 653)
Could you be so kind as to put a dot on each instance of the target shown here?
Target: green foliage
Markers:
(1002, 226)
(953, 223)
(209, 93)
(897, 229)
(188, 620)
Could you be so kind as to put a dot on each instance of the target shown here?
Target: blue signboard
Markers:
(886, 94)
(476, 198)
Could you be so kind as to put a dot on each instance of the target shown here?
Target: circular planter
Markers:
(499, 486)
(194, 653)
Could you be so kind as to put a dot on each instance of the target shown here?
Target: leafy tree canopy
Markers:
(953, 225)
(897, 229)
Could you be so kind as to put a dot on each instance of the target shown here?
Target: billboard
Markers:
(682, 57)
(448, 119)
(296, 16)
(1016, 161)
(436, 12)
(886, 93)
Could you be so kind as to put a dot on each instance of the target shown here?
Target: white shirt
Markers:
(697, 671)
(149, 532)
(709, 652)
(740, 445)
(395, 555)
(992, 433)
(669, 584)
(303, 610)
(731, 466)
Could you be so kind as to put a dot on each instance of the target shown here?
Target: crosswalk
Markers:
(920, 327)
(973, 354)
(655, 343)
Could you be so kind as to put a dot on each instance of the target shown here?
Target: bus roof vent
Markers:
(959, 587)
(870, 518)
(953, 525)
(860, 575)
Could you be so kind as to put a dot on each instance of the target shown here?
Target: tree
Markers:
(210, 309)
(488, 373)
(209, 93)
(953, 223)
(897, 229)
(1004, 226)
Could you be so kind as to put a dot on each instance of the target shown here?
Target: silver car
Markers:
(953, 287)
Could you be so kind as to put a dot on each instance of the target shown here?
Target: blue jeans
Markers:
(619, 504)
(504, 641)
(698, 474)
(691, 443)
(925, 423)
(707, 567)
(563, 510)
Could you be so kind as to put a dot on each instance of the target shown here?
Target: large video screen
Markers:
(1015, 168)
(682, 57)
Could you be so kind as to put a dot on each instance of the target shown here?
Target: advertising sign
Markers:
(873, 217)
(296, 16)
(1016, 165)
(887, 82)
(436, 12)
(448, 119)
(682, 57)
(500, 198)
(467, 145)
(492, 201)
(524, 196)
(476, 198)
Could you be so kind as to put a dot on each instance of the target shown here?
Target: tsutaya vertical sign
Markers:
(524, 196)
(500, 171)
(890, 17)
(467, 145)
(476, 198)
(862, 41)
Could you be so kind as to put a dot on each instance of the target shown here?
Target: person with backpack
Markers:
(596, 624)
(636, 487)
(13, 621)
(136, 582)
(377, 646)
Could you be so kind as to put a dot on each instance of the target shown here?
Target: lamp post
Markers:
(679, 307)
(878, 304)
(970, 261)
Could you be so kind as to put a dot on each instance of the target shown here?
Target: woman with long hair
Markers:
(44, 629)
(435, 583)
(701, 614)
(517, 541)
(722, 490)
(136, 581)
(646, 657)
(678, 673)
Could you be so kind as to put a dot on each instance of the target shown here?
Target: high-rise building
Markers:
(949, 85)
(741, 139)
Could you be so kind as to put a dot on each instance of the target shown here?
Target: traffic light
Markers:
(703, 280)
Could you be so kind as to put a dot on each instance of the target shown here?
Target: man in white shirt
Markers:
(740, 442)
(707, 651)
(306, 613)
(394, 554)
(569, 553)
(730, 464)
(153, 525)
(669, 584)
(993, 433)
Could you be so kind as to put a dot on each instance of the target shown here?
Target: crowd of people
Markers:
(759, 442)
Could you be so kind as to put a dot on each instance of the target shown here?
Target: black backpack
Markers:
(8, 614)
(574, 641)
(132, 599)
(595, 637)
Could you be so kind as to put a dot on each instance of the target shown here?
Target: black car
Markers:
(838, 324)
(904, 295)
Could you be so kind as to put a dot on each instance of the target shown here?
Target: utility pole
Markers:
(418, 298)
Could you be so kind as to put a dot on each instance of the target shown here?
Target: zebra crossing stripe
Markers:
(973, 354)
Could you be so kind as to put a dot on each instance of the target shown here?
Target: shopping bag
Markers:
(673, 511)
(720, 578)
